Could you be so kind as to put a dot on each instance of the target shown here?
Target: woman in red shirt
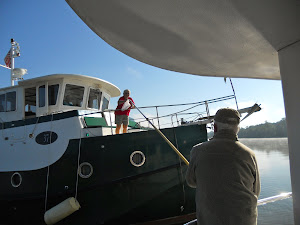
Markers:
(121, 115)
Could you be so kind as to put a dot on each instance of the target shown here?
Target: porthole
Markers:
(137, 158)
(16, 180)
(85, 170)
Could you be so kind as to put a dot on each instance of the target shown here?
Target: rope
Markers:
(157, 117)
(47, 184)
(37, 121)
(78, 160)
(237, 108)
(180, 163)
(48, 167)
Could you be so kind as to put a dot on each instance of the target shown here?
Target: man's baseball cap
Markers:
(227, 115)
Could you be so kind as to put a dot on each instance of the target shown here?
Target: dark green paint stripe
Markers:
(42, 119)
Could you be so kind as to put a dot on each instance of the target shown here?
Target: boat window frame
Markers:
(14, 101)
(57, 94)
(88, 98)
(42, 96)
(64, 95)
(39, 96)
(32, 112)
(3, 105)
(5, 108)
(104, 98)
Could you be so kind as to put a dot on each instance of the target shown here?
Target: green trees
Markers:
(266, 130)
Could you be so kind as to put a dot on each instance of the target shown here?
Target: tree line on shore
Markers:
(265, 130)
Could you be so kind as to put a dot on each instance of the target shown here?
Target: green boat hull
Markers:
(117, 192)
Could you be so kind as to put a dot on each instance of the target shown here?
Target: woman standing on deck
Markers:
(122, 113)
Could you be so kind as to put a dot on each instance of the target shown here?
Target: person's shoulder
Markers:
(200, 146)
(200, 150)
(245, 148)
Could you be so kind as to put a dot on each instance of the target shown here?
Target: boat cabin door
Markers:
(30, 102)
(46, 98)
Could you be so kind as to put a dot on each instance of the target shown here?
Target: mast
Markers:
(14, 52)
(15, 73)
(12, 61)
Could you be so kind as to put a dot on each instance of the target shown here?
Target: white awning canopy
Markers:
(233, 38)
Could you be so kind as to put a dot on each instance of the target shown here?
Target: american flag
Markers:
(7, 59)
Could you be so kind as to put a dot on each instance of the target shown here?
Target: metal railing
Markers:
(181, 112)
(180, 115)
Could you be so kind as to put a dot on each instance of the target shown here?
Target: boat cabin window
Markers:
(94, 99)
(73, 95)
(42, 101)
(52, 94)
(30, 102)
(105, 103)
(8, 102)
(2, 103)
(11, 101)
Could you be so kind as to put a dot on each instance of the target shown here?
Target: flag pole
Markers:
(5, 67)
(12, 62)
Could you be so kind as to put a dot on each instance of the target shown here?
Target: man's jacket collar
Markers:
(226, 134)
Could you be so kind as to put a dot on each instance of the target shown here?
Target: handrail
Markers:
(157, 117)
(139, 120)
(274, 198)
(193, 103)
(259, 203)
(182, 104)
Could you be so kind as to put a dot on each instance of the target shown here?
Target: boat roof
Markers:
(208, 38)
(111, 89)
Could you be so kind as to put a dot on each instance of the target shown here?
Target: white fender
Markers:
(61, 211)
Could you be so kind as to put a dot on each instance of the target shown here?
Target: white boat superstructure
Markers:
(53, 94)
(33, 116)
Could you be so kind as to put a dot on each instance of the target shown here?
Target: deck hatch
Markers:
(95, 121)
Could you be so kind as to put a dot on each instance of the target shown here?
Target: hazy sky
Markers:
(54, 40)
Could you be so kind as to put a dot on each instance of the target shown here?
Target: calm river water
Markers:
(273, 161)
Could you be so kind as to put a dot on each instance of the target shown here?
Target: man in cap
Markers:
(225, 175)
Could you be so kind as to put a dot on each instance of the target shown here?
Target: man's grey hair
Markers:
(126, 90)
(225, 126)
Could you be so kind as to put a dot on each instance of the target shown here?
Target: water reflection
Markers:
(273, 162)
(267, 144)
